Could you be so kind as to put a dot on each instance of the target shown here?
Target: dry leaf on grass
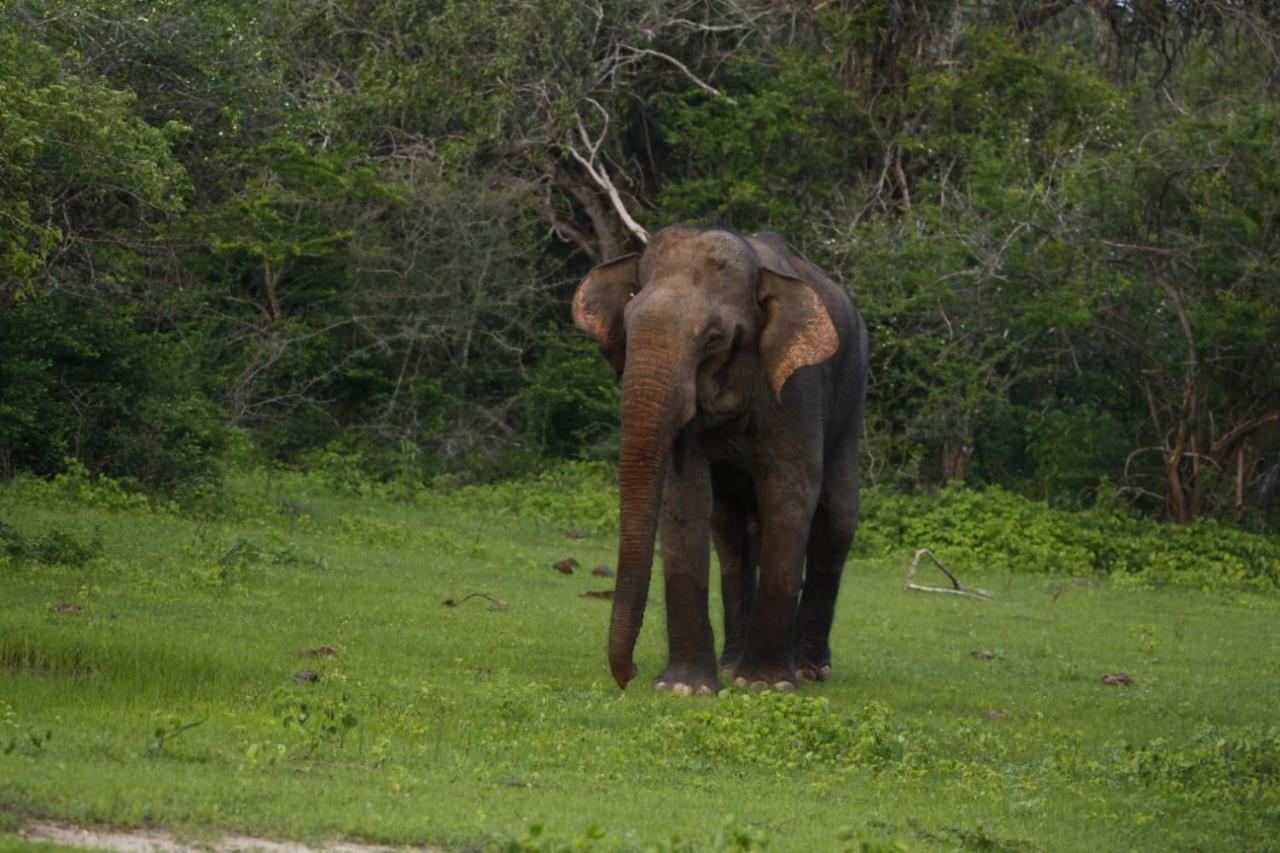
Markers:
(1117, 678)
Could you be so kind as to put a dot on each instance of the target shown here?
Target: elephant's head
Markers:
(697, 326)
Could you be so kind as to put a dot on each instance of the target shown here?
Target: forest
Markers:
(311, 232)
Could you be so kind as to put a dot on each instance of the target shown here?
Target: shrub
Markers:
(50, 547)
(570, 406)
(783, 731)
(582, 495)
(1216, 765)
(79, 379)
(996, 530)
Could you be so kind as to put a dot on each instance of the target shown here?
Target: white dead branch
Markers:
(956, 588)
(600, 174)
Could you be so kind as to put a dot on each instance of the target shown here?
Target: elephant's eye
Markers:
(713, 339)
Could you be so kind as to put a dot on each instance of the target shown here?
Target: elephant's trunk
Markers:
(657, 400)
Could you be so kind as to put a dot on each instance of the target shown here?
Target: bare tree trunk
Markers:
(606, 244)
(955, 457)
(1241, 481)
(1175, 490)
(270, 293)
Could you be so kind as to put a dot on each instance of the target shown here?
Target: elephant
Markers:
(743, 370)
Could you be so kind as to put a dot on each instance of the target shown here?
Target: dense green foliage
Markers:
(973, 530)
(229, 673)
(996, 530)
(350, 230)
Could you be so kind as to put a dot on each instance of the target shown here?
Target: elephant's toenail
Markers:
(739, 682)
(823, 672)
(805, 675)
(705, 690)
(783, 685)
(661, 685)
(682, 690)
(759, 685)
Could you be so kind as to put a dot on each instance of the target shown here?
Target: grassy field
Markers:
(154, 672)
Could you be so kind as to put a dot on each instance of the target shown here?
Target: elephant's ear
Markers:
(599, 302)
(797, 328)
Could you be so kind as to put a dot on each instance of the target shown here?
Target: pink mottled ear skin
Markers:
(798, 330)
(599, 302)
(589, 322)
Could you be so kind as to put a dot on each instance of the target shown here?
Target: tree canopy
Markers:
(353, 227)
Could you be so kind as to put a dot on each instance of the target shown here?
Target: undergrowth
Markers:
(782, 731)
(995, 530)
(990, 530)
(50, 547)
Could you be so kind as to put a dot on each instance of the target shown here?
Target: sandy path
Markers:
(162, 841)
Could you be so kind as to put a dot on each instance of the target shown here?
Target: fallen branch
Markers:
(494, 604)
(955, 583)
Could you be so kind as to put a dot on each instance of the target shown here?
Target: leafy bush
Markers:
(75, 486)
(317, 722)
(16, 737)
(1068, 447)
(996, 530)
(784, 731)
(1216, 765)
(571, 405)
(80, 379)
(583, 495)
(51, 547)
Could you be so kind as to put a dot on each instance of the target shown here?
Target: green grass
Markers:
(168, 698)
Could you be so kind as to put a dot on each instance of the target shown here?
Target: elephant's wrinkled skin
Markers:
(743, 373)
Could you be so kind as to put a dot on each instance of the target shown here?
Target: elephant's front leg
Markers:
(786, 511)
(686, 530)
(735, 533)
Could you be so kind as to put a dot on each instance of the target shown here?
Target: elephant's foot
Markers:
(814, 663)
(763, 677)
(687, 681)
(813, 672)
(781, 685)
(729, 662)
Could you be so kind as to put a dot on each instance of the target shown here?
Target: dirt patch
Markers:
(163, 841)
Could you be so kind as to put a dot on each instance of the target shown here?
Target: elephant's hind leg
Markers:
(830, 538)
